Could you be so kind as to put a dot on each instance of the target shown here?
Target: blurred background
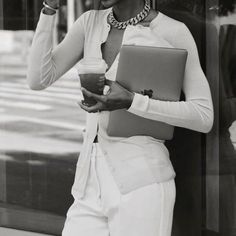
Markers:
(41, 132)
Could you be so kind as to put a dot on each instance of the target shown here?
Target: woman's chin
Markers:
(108, 3)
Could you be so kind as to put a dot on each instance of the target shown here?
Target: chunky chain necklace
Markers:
(133, 21)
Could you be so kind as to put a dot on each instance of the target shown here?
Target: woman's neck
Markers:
(126, 9)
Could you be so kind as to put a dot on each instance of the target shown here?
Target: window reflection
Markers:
(221, 167)
(228, 84)
(40, 132)
(227, 128)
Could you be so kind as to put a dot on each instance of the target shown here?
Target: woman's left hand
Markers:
(117, 98)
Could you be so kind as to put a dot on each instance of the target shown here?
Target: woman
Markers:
(123, 186)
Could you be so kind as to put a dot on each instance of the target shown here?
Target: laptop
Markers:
(153, 71)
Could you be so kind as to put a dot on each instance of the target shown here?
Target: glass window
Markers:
(227, 121)
(40, 131)
(221, 154)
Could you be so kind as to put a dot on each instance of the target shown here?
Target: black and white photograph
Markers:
(117, 117)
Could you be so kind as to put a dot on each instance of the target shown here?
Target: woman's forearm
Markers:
(40, 54)
(46, 64)
(195, 115)
(196, 112)
(48, 11)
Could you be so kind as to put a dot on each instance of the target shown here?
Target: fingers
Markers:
(93, 109)
(106, 90)
(100, 98)
(113, 84)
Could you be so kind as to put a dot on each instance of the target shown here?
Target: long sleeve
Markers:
(46, 64)
(196, 112)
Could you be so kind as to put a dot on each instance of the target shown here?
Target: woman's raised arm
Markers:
(46, 64)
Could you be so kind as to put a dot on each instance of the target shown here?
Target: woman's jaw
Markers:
(109, 3)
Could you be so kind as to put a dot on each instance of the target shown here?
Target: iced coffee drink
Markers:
(92, 77)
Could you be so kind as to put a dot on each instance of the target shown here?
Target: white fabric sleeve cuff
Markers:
(46, 22)
(140, 103)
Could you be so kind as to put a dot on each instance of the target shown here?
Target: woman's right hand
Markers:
(53, 3)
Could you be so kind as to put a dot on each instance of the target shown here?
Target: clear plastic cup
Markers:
(92, 77)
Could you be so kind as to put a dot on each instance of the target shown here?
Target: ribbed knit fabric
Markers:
(140, 160)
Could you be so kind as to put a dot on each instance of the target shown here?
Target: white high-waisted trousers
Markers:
(104, 211)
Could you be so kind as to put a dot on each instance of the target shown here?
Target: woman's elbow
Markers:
(207, 123)
(202, 116)
(33, 83)
(206, 128)
(39, 81)
(35, 87)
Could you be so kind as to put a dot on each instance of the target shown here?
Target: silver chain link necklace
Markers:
(133, 21)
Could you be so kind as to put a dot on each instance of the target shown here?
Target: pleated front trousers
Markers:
(104, 211)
